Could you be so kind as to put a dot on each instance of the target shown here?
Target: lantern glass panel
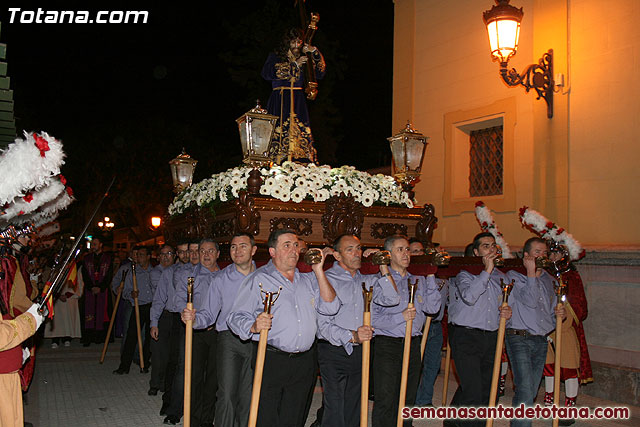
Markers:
(184, 171)
(261, 135)
(503, 38)
(415, 148)
(397, 150)
(242, 127)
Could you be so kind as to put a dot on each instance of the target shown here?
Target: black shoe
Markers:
(152, 391)
(144, 371)
(172, 420)
(566, 421)
(120, 371)
(163, 410)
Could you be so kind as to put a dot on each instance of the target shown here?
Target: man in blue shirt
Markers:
(289, 365)
(390, 324)
(474, 317)
(340, 335)
(235, 373)
(534, 309)
(145, 296)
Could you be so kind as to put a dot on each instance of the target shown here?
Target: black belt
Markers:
(397, 339)
(484, 331)
(275, 350)
(321, 341)
(521, 332)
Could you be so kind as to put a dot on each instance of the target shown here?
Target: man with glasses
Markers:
(173, 397)
(160, 324)
(204, 382)
(235, 374)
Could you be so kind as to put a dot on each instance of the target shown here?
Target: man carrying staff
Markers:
(389, 324)
(289, 369)
(474, 317)
(204, 382)
(145, 296)
(534, 317)
(162, 320)
(160, 345)
(234, 355)
(340, 335)
(173, 397)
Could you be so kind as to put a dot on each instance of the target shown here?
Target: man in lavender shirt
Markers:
(160, 344)
(145, 296)
(289, 364)
(534, 309)
(390, 324)
(164, 328)
(235, 374)
(173, 397)
(204, 380)
(474, 317)
(340, 335)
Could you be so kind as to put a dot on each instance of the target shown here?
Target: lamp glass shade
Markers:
(182, 169)
(156, 221)
(503, 38)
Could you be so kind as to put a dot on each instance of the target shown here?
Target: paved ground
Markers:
(71, 389)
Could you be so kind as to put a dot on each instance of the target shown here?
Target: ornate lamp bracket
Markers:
(536, 76)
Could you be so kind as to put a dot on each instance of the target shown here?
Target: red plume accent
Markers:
(41, 143)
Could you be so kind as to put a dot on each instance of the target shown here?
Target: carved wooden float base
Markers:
(315, 222)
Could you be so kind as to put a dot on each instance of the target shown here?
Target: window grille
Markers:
(486, 162)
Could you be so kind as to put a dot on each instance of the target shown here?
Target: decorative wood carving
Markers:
(222, 228)
(382, 230)
(343, 215)
(302, 226)
(247, 218)
(427, 223)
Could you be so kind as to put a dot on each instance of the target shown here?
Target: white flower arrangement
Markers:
(538, 224)
(29, 164)
(295, 182)
(487, 223)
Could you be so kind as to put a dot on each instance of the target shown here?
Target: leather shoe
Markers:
(171, 420)
(152, 391)
(120, 371)
(144, 371)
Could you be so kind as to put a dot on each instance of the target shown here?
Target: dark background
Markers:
(125, 98)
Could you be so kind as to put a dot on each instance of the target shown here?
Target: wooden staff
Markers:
(497, 359)
(366, 352)
(113, 316)
(188, 350)
(561, 293)
(447, 368)
(405, 354)
(425, 335)
(269, 299)
(137, 309)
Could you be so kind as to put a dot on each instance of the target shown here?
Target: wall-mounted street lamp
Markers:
(182, 168)
(503, 27)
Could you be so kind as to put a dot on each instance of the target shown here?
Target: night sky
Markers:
(125, 98)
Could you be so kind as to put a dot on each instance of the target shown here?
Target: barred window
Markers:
(485, 165)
